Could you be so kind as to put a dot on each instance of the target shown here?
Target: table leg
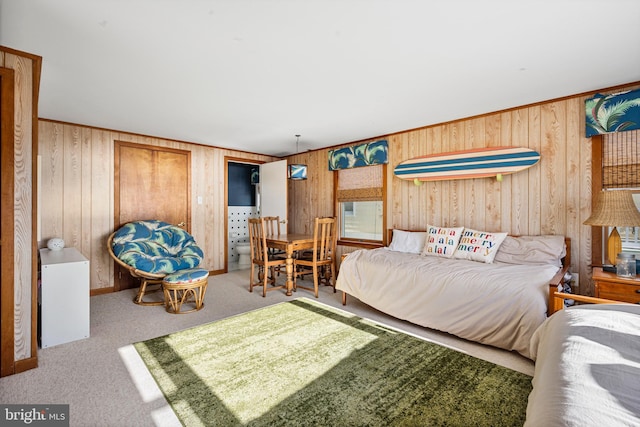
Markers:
(289, 268)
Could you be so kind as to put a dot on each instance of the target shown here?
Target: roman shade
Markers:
(360, 184)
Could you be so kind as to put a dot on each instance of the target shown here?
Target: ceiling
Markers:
(251, 74)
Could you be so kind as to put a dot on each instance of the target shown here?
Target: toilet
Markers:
(244, 252)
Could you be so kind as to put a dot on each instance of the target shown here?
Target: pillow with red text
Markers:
(479, 246)
(441, 241)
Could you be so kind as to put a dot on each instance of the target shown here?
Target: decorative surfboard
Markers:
(475, 163)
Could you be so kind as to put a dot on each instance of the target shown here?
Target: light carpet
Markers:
(305, 363)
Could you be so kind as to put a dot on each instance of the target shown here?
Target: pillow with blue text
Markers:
(442, 241)
(479, 245)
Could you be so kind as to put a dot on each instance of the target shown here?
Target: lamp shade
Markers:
(614, 208)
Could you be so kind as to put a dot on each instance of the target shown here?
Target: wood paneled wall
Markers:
(553, 197)
(77, 194)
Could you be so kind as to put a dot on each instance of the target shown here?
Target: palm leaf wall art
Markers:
(367, 154)
(612, 113)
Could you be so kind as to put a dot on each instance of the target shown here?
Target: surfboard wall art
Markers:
(467, 164)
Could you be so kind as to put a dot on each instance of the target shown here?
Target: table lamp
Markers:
(614, 208)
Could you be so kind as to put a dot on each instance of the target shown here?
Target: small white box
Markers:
(64, 296)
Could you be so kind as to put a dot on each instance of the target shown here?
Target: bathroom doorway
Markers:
(242, 204)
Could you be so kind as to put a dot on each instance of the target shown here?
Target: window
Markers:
(631, 235)
(361, 220)
(360, 202)
(621, 169)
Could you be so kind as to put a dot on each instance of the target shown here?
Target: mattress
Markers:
(498, 304)
(587, 368)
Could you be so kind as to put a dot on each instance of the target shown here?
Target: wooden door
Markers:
(150, 183)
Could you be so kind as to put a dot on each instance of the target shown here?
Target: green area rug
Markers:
(305, 363)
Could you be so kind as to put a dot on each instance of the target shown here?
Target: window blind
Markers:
(621, 159)
(360, 184)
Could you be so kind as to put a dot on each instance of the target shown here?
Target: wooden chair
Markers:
(272, 225)
(260, 257)
(322, 258)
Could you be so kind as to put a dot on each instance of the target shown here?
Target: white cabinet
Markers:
(64, 296)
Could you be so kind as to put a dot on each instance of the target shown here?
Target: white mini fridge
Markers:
(64, 296)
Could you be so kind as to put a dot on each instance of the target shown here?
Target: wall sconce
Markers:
(297, 171)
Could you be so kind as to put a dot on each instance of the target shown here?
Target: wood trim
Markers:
(385, 212)
(7, 290)
(101, 291)
(44, 119)
(35, 140)
(596, 188)
(559, 298)
(26, 364)
(363, 244)
(35, 58)
(625, 86)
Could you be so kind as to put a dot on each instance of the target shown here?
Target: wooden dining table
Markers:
(290, 243)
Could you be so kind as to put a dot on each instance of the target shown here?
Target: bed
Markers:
(587, 369)
(495, 303)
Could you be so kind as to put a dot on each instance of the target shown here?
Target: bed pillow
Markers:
(479, 245)
(441, 241)
(532, 250)
(408, 241)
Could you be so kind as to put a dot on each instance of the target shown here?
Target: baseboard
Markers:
(26, 364)
(101, 291)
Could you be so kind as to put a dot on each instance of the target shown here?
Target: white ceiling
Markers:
(251, 74)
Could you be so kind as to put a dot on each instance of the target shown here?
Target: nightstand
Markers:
(610, 286)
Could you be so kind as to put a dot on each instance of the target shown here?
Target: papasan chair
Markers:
(154, 251)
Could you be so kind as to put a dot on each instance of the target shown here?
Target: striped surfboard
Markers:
(476, 163)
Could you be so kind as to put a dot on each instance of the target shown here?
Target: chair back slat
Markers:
(272, 225)
(322, 262)
(260, 258)
(325, 238)
(257, 237)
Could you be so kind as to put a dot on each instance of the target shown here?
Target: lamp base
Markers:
(614, 246)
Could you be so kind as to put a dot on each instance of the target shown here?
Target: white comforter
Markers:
(497, 304)
(587, 368)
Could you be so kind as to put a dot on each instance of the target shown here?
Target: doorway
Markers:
(242, 203)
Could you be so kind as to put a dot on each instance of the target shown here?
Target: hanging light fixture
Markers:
(297, 171)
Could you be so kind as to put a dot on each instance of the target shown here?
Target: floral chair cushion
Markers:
(156, 247)
(189, 275)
